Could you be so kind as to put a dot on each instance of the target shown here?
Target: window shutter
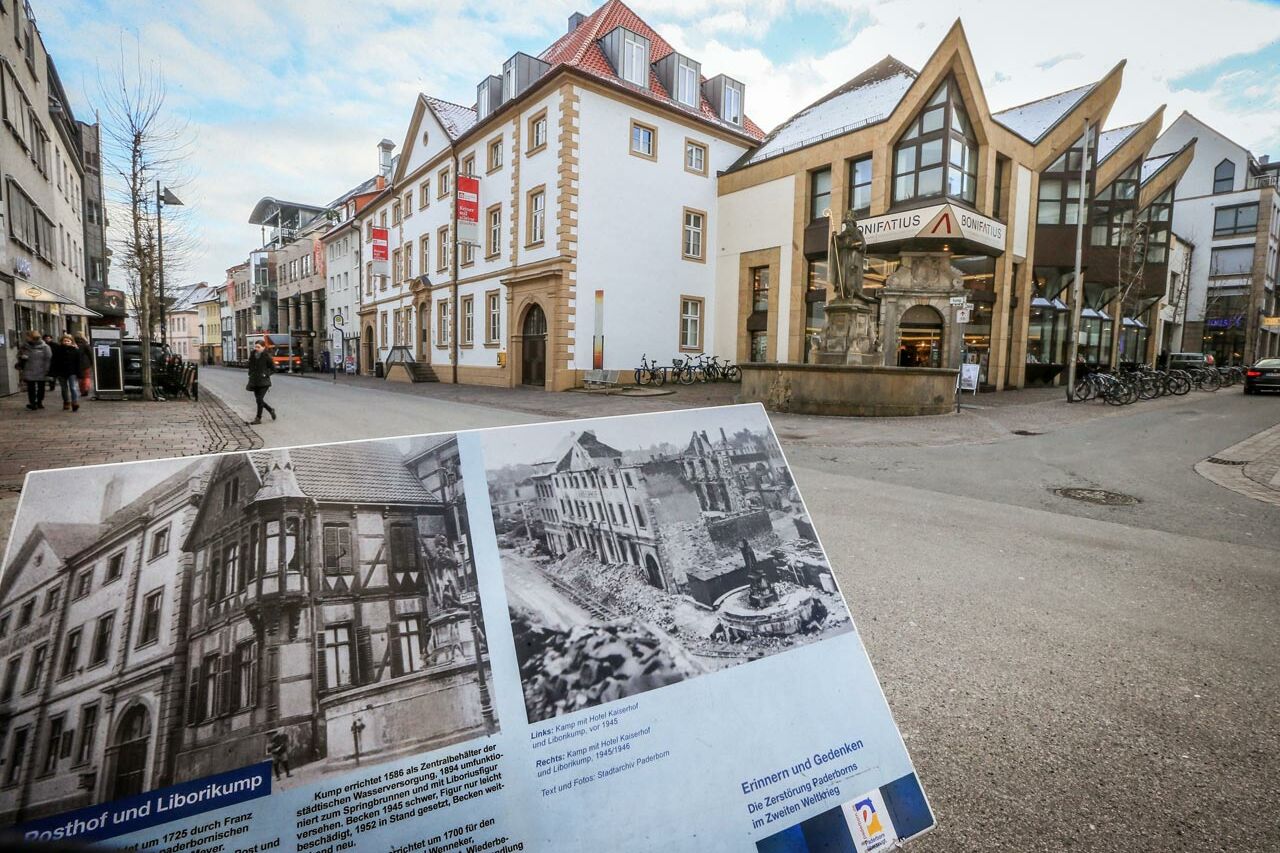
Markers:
(424, 635)
(64, 749)
(193, 697)
(224, 683)
(364, 655)
(344, 549)
(397, 661)
(235, 698)
(330, 548)
(321, 667)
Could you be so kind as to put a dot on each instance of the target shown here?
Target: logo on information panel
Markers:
(868, 817)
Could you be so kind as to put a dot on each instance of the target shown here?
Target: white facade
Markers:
(342, 247)
(1217, 276)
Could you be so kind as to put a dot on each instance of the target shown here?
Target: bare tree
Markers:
(1131, 262)
(142, 145)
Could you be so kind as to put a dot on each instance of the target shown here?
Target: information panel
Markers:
(612, 634)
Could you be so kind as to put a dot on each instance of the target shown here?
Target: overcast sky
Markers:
(290, 98)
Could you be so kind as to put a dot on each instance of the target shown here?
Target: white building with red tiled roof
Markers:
(595, 169)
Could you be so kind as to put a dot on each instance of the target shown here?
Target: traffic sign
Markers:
(962, 315)
(337, 320)
(959, 300)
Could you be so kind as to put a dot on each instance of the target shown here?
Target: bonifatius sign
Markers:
(379, 252)
(933, 227)
(468, 209)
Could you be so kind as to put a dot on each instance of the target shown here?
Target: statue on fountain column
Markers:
(760, 592)
(849, 336)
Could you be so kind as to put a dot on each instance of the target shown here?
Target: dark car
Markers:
(131, 349)
(1187, 360)
(1263, 376)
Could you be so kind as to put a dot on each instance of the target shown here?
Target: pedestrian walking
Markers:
(64, 366)
(86, 364)
(260, 369)
(278, 749)
(34, 356)
(50, 342)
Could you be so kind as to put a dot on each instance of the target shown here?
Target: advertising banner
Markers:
(469, 209)
(379, 253)
(616, 634)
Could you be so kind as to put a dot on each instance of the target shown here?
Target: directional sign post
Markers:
(334, 362)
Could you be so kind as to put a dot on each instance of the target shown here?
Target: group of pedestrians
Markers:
(66, 360)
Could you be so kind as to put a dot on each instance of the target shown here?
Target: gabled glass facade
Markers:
(937, 155)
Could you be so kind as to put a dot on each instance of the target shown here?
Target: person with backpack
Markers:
(34, 357)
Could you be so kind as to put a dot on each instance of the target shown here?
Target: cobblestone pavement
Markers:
(1250, 467)
(107, 431)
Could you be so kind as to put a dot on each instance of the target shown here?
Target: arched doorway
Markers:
(533, 356)
(132, 741)
(652, 570)
(920, 334)
(366, 350)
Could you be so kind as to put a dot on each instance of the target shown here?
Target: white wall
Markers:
(759, 217)
(630, 222)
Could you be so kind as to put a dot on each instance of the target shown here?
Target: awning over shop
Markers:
(28, 292)
(937, 228)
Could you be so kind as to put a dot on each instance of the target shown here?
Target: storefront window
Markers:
(938, 153)
(759, 347)
(760, 289)
(815, 315)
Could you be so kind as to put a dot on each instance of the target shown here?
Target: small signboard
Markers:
(958, 300)
(338, 321)
(469, 209)
(962, 315)
(969, 377)
(379, 253)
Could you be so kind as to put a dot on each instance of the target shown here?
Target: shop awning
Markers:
(1134, 324)
(28, 292)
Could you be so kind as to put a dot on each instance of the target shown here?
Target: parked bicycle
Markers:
(650, 372)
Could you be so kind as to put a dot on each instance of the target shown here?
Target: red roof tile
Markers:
(581, 49)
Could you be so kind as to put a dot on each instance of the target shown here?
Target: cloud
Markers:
(290, 99)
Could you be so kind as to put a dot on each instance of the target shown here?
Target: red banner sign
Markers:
(379, 245)
(468, 199)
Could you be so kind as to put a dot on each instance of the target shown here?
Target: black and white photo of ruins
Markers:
(639, 552)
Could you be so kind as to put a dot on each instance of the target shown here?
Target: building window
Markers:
(151, 616)
(115, 567)
(51, 600)
(442, 182)
(37, 667)
(819, 193)
(408, 204)
(688, 90)
(27, 613)
(468, 166)
(442, 248)
(160, 543)
(102, 639)
(244, 675)
(442, 323)
(337, 549)
(1239, 219)
(71, 654)
(424, 196)
(493, 235)
(1233, 260)
(11, 678)
(88, 730)
(691, 244)
(17, 755)
(382, 329)
(1224, 177)
(407, 632)
(537, 132)
(395, 212)
(493, 329)
(644, 140)
(337, 654)
(860, 186)
(468, 321)
(537, 213)
(635, 58)
(695, 157)
(395, 267)
(495, 154)
(54, 744)
(758, 350)
(732, 111)
(209, 669)
(690, 324)
(407, 256)
(760, 289)
(424, 249)
(938, 153)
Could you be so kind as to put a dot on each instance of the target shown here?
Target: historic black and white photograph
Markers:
(314, 607)
(638, 552)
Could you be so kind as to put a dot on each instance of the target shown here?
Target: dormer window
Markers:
(937, 155)
(628, 52)
(635, 58)
(732, 109)
(686, 83)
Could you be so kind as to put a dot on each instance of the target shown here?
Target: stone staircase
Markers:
(423, 372)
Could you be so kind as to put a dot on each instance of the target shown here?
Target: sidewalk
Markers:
(1250, 467)
(107, 431)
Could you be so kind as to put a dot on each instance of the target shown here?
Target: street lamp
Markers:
(163, 197)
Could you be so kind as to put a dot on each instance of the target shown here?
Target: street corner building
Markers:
(315, 605)
(629, 568)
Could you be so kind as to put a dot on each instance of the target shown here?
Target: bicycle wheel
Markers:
(732, 373)
(700, 374)
(658, 375)
(1210, 382)
(1080, 393)
(1148, 388)
(684, 375)
(1179, 385)
(642, 376)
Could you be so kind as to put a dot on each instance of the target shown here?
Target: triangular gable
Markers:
(1134, 146)
(212, 495)
(415, 152)
(1166, 174)
(953, 57)
(1095, 106)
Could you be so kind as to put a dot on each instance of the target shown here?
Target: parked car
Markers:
(1188, 360)
(1263, 376)
(131, 349)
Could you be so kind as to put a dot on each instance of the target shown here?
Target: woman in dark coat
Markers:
(86, 363)
(65, 367)
(260, 369)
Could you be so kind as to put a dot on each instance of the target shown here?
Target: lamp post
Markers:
(163, 197)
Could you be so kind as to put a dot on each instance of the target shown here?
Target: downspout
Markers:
(453, 273)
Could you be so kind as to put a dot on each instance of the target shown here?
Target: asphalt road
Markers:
(1067, 676)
